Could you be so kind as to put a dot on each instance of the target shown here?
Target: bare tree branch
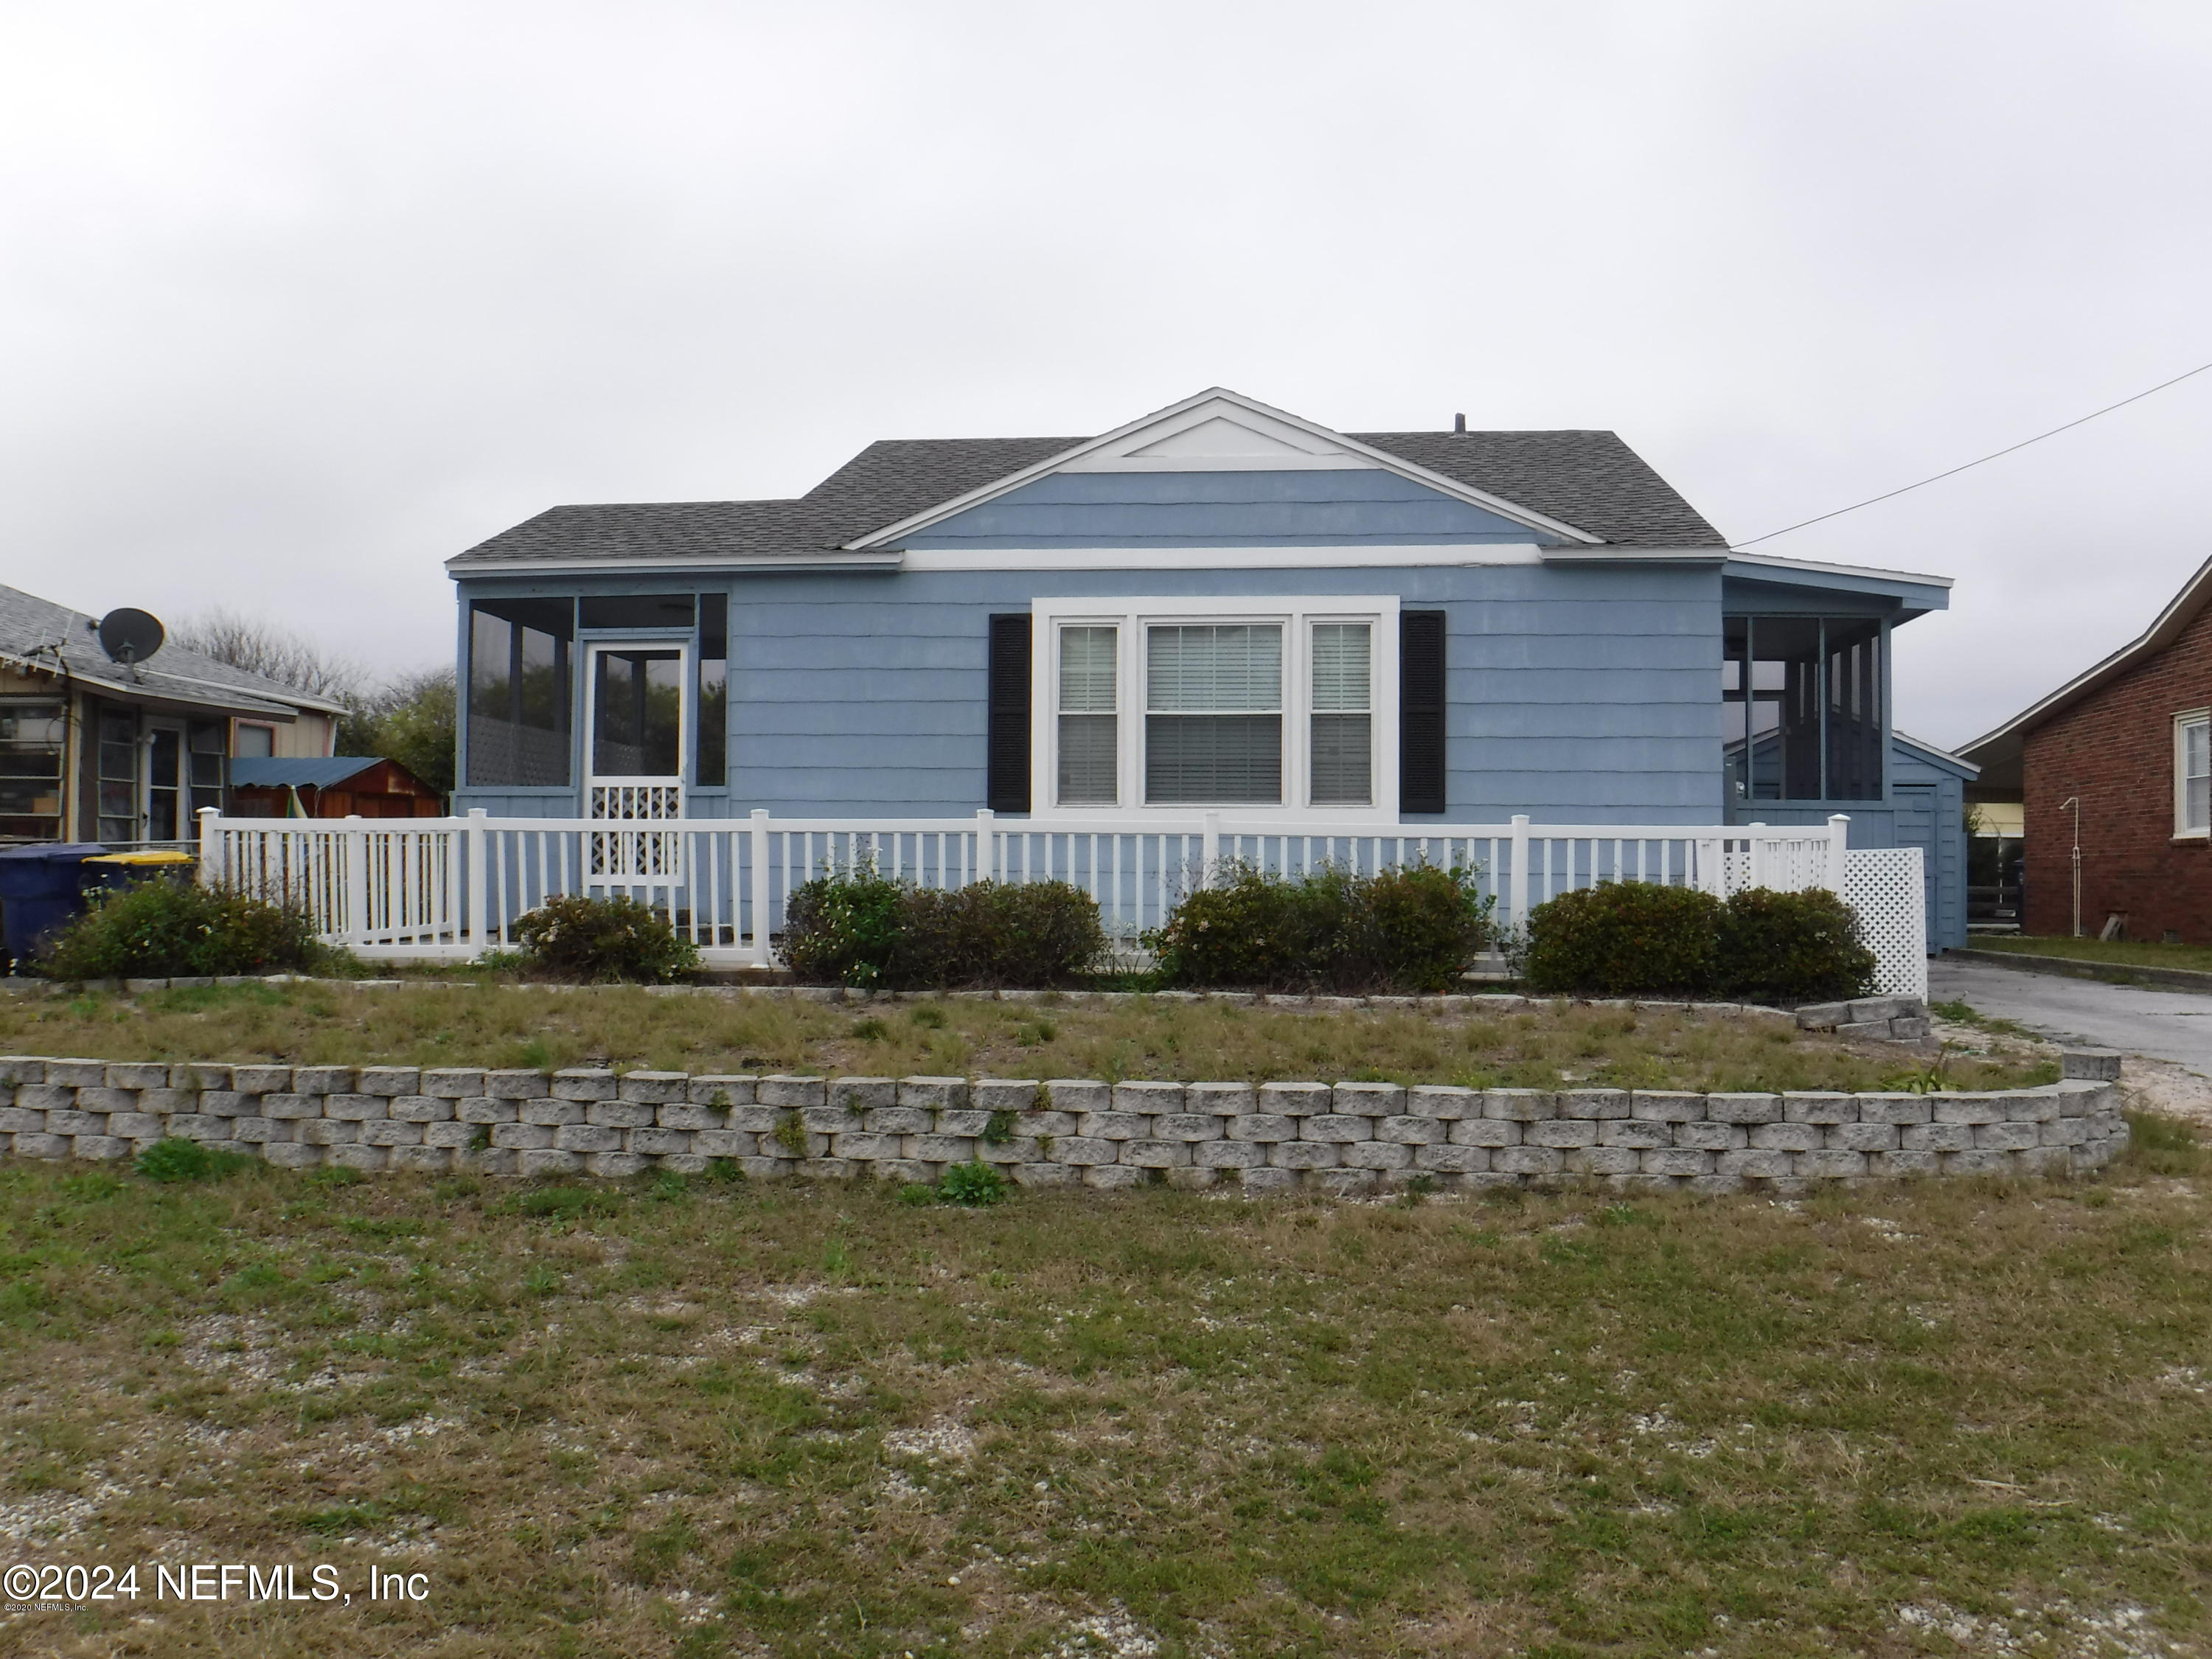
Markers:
(275, 652)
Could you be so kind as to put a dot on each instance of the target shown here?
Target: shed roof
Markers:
(307, 772)
(43, 637)
(1591, 479)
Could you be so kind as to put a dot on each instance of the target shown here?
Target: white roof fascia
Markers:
(2179, 613)
(1929, 749)
(1171, 416)
(1874, 573)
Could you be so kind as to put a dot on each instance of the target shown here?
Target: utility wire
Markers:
(1995, 455)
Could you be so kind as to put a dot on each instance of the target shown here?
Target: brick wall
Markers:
(2114, 750)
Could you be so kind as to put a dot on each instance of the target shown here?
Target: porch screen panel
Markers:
(1802, 707)
(519, 692)
(33, 739)
(714, 760)
(1213, 722)
(1089, 721)
(1852, 653)
(1343, 722)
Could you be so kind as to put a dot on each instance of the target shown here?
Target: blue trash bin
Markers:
(38, 892)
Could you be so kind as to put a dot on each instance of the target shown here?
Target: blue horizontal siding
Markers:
(1323, 509)
(1576, 692)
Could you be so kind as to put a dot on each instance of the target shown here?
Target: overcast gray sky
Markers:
(297, 300)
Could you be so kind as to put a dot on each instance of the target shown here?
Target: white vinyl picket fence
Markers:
(402, 889)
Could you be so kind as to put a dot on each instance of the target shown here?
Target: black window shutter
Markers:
(1420, 711)
(1007, 789)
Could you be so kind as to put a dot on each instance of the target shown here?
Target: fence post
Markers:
(356, 856)
(758, 888)
(1755, 855)
(1210, 857)
(1516, 913)
(478, 877)
(1839, 825)
(211, 847)
(986, 852)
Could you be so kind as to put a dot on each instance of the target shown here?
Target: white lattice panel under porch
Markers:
(1884, 886)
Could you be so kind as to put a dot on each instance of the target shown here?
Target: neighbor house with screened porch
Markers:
(1221, 631)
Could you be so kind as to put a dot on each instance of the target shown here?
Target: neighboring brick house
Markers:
(2127, 747)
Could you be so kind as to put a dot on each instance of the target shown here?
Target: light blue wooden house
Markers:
(1220, 607)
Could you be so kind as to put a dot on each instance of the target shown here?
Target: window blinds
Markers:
(1343, 724)
(1087, 716)
(1213, 725)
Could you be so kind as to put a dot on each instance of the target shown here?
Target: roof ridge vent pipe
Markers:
(1459, 423)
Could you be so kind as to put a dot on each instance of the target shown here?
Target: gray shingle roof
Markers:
(41, 635)
(1591, 480)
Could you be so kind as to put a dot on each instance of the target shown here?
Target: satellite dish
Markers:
(131, 636)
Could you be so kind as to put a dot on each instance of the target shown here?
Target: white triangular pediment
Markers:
(1221, 439)
(1216, 435)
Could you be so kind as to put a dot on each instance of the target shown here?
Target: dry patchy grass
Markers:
(704, 1418)
(498, 1025)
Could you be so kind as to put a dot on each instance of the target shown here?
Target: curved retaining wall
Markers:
(1342, 1138)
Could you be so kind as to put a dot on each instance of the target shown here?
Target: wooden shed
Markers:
(330, 787)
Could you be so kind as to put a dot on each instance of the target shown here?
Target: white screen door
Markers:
(638, 729)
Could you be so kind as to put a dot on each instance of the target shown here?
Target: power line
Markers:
(1993, 455)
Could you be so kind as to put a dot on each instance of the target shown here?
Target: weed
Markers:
(973, 1184)
(1033, 1034)
(790, 1133)
(189, 1160)
(929, 1016)
(870, 1030)
(1000, 1129)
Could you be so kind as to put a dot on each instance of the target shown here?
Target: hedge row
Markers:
(1627, 938)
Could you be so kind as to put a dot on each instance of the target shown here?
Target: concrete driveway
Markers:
(2136, 1019)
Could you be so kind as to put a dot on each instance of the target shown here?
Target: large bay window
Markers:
(1242, 705)
(2192, 774)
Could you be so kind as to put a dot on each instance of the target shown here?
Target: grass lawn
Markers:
(2131, 953)
(704, 1418)
(506, 1026)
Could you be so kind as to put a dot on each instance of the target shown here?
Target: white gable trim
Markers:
(1115, 452)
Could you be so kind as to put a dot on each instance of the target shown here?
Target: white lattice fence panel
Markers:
(1884, 886)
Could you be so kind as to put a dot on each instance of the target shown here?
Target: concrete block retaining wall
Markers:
(1338, 1138)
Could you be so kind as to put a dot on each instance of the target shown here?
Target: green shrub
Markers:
(1028, 935)
(1624, 937)
(600, 941)
(972, 1183)
(840, 929)
(856, 928)
(1634, 938)
(1792, 947)
(1411, 929)
(165, 929)
(188, 1160)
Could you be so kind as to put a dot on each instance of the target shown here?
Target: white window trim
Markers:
(1297, 613)
(2182, 722)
